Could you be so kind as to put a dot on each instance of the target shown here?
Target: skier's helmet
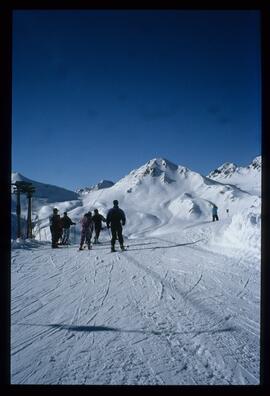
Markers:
(115, 202)
(55, 210)
(96, 211)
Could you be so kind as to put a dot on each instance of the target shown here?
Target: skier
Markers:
(97, 219)
(87, 230)
(55, 227)
(66, 223)
(214, 213)
(116, 219)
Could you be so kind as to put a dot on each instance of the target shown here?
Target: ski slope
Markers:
(168, 311)
(180, 307)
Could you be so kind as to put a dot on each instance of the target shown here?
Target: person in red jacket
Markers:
(87, 230)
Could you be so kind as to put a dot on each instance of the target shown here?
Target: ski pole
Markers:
(110, 235)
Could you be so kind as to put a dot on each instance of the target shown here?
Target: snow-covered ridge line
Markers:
(228, 168)
(247, 178)
(47, 191)
(99, 186)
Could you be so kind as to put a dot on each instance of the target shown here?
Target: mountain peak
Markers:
(229, 168)
(256, 163)
(16, 176)
(102, 184)
(156, 167)
(225, 170)
(246, 178)
(162, 163)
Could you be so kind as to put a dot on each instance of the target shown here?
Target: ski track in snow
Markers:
(160, 313)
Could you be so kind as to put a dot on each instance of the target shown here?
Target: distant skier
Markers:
(214, 213)
(116, 219)
(55, 227)
(97, 219)
(87, 230)
(66, 223)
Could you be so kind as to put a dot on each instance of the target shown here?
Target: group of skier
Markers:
(115, 220)
(60, 228)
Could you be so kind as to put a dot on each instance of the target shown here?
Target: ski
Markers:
(120, 250)
(84, 248)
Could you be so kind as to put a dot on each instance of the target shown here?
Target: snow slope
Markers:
(181, 306)
(165, 312)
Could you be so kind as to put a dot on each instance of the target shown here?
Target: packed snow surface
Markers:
(181, 306)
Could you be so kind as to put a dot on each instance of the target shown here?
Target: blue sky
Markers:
(97, 93)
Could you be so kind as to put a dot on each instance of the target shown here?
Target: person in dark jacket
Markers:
(116, 219)
(66, 222)
(214, 213)
(55, 227)
(87, 230)
(97, 219)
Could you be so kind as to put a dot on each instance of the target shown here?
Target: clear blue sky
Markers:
(99, 93)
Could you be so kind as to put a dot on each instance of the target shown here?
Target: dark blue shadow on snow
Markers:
(97, 328)
(168, 246)
(83, 328)
(160, 332)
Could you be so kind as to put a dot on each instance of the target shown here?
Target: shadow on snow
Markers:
(90, 329)
(168, 246)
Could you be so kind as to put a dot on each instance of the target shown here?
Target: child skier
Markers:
(87, 230)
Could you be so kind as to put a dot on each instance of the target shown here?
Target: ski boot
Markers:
(113, 249)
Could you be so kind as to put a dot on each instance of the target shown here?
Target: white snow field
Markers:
(181, 306)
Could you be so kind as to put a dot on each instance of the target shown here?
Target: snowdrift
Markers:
(243, 232)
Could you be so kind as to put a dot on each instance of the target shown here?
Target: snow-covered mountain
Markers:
(160, 197)
(45, 197)
(102, 184)
(48, 192)
(247, 178)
